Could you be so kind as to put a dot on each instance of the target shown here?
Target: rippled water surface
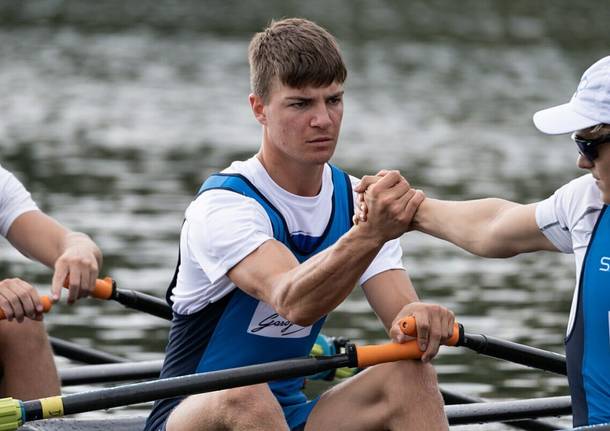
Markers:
(112, 115)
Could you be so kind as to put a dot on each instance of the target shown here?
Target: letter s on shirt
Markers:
(605, 264)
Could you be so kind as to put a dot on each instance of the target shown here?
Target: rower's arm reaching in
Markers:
(485, 227)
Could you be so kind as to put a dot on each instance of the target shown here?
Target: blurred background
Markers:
(113, 112)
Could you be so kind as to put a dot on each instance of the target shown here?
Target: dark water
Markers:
(112, 113)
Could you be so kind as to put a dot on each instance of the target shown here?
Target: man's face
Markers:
(600, 165)
(302, 124)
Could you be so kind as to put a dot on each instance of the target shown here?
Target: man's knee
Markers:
(26, 334)
(412, 379)
(256, 403)
(239, 408)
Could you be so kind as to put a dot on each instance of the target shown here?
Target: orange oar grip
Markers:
(44, 300)
(46, 303)
(103, 288)
(408, 327)
(373, 355)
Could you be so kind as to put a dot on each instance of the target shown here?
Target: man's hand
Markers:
(78, 264)
(434, 326)
(19, 299)
(394, 199)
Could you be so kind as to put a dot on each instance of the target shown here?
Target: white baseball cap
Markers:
(589, 106)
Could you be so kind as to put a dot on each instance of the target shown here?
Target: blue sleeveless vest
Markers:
(588, 345)
(235, 341)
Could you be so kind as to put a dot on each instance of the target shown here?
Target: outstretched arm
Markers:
(485, 227)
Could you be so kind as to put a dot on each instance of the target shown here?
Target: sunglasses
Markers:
(588, 147)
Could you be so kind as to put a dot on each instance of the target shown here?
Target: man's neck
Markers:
(294, 177)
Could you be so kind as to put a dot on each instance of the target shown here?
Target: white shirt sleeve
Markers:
(389, 257)
(223, 228)
(14, 200)
(558, 215)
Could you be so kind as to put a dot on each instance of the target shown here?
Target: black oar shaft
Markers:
(143, 302)
(514, 352)
(191, 384)
(497, 348)
(79, 353)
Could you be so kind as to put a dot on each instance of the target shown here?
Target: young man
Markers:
(268, 249)
(574, 220)
(26, 360)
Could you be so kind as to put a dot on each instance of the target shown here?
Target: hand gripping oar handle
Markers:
(46, 306)
(408, 327)
(107, 289)
(104, 288)
(498, 348)
(13, 413)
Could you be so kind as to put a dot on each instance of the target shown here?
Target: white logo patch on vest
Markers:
(267, 323)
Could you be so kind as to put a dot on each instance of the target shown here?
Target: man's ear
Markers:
(258, 108)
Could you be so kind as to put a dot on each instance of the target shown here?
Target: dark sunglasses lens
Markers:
(587, 150)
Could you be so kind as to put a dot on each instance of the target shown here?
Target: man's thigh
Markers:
(26, 360)
(382, 397)
(249, 408)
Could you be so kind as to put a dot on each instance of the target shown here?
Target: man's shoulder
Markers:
(581, 192)
(578, 200)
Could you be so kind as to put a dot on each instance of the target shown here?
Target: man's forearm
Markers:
(471, 225)
(317, 286)
(42, 238)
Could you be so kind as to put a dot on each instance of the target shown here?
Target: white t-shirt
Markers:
(14, 200)
(222, 227)
(568, 218)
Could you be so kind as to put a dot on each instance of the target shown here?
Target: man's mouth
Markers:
(320, 139)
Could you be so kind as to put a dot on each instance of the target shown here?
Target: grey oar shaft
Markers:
(79, 353)
(90, 374)
(508, 410)
(186, 385)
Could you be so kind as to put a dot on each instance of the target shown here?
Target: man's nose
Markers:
(583, 162)
(321, 118)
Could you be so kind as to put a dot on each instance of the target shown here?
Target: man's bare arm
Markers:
(485, 227)
(302, 293)
(40, 237)
(392, 297)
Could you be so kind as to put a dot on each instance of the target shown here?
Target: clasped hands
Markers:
(387, 198)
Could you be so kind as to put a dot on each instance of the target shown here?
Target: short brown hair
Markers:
(296, 51)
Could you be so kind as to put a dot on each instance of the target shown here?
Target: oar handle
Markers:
(104, 288)
(379, 354)
(408, 327)
(44, 300)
